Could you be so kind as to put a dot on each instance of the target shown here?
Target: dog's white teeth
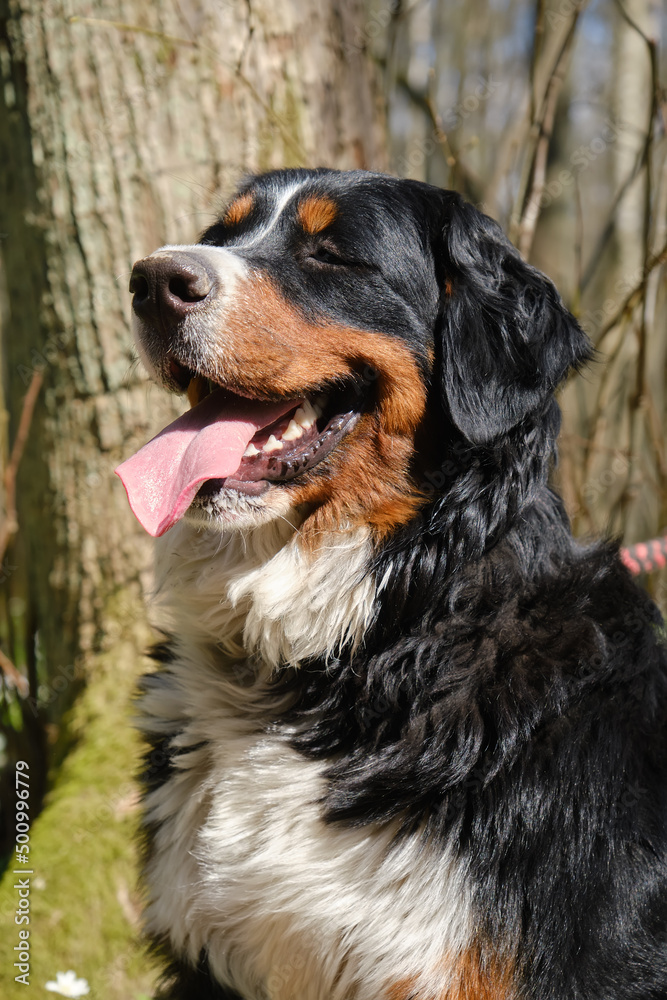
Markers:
(306, 416)
(301, 419)
(293, 431)
(250, 451)
(273, 444)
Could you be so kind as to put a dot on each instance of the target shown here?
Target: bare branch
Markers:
(538, 45)
(643, 159)
(634, 296)
(469, 180)
(596, 255)
(14, 676)
(542, 128)
(10, 524)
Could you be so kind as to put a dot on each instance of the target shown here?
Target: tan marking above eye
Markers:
(316, 212)
(239, 209)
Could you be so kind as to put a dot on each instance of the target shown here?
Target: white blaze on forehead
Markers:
(283, 199)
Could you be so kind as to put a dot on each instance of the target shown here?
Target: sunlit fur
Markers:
(260, 593)
(243, 868)
(407, 739)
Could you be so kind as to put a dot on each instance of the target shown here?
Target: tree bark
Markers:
(123, 127)
(121, 134)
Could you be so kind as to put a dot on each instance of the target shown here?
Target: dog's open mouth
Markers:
(228, 441)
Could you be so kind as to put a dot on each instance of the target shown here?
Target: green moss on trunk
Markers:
(83, 893)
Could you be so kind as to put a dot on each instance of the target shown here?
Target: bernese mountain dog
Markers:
(406, 737)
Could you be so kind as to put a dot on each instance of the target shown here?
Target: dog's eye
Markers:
(325, 256)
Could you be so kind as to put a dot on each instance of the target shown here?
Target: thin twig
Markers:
(135, 28)
(631, 299)
(543, 127)
(597, 254)
(656, 434)
(578, 244)
(470, 181)
(538, 45)
(538, 113)
(639, 398)
(643, 158)
(10, 524)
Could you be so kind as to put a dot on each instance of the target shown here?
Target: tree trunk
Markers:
(123, 128)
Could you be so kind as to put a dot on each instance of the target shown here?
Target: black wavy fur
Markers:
(511, 693)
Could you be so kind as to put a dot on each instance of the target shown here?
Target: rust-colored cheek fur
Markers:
(266, 346)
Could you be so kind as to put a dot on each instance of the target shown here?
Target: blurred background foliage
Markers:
(549, 116)
(552, 119)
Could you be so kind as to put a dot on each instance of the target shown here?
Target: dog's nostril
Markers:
(189, 287)
(139, 285)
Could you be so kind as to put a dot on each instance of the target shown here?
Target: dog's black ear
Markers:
(507, 340)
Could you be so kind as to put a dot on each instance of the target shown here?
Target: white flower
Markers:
(68, 985)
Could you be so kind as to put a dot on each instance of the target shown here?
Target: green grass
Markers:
(83, 900)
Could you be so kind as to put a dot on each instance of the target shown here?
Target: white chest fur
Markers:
(242, 863)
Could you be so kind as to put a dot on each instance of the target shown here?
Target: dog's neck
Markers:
(263, 593)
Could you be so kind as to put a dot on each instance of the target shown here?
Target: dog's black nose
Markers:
(166, 286)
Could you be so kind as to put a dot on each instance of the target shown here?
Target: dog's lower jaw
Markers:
(229, 510)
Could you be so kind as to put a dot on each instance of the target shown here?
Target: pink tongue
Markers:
(207, 442)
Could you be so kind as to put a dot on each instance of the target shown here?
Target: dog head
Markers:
(340, 337)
